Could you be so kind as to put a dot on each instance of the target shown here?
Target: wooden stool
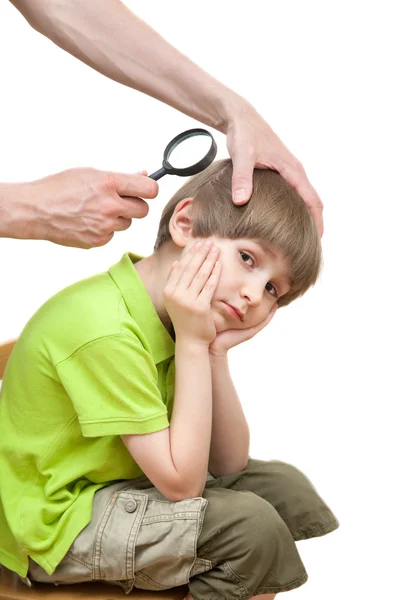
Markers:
(11, 588)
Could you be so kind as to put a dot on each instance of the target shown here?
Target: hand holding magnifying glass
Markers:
(173, 160)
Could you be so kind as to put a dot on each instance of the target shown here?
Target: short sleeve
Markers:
(112, 383)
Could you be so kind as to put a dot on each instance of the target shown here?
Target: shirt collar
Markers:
(141, 308)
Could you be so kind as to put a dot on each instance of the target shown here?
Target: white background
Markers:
(319, 386)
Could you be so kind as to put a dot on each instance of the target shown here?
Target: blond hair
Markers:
(275, 214)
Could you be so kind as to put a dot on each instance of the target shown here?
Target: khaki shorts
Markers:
(234, 542)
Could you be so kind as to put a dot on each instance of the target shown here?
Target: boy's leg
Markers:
(136, 538)
(289, 491)
(227, 544)
(248, 534)
(234, 543)
(248, 548)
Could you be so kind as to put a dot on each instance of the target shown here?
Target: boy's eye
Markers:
(246, 257)
(271, 289)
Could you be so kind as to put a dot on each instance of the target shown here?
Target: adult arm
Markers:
(107, 36)
(77, 207)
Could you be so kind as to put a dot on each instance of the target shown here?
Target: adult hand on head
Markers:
(80, 207)
(252, 143)
(225, 340)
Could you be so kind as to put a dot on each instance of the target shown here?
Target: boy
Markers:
(124, 447)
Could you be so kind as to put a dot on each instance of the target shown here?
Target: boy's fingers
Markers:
(172, 268)
(208, 290)
(194, 267)
(264, 323)
(174, 276)
(190, 264)
(177, 272)
(271, 314)
(203, 273)
(268, 318)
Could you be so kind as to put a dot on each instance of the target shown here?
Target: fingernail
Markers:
(240, 195)
(199, 244)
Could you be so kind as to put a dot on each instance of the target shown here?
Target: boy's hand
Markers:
(233, 337)
(189, 290)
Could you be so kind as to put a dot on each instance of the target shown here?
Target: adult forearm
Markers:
(17, 218)
(230, 439)
(190, 427)
(106, 35)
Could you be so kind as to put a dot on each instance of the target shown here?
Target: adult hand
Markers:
(80, 207)
(252, 143)
(225, 340)
(107, 36)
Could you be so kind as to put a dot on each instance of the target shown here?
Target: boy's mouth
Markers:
(235, 312)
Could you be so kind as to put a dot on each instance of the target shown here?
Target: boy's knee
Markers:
(243, 522)
(259, 522)
(294, 496)
(249, 546)
(276, 473)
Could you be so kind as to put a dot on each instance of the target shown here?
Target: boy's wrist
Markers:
(191, 346)
(217, 356)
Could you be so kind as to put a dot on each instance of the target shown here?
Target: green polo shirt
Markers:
(93, 363)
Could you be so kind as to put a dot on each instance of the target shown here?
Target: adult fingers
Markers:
(293, 173)
(242, 178)
(135, 185)
(133, 208)
(122, 224)
(252, 143)
(297, 178)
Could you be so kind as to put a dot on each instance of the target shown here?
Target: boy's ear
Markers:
(180, 224)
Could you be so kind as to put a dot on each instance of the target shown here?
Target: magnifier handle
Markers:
(158, 174)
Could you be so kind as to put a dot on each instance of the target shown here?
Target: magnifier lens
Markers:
(189, 151)
(187, 154)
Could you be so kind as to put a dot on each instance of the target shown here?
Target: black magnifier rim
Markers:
(197, 167)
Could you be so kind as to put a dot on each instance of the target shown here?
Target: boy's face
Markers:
(252, 280)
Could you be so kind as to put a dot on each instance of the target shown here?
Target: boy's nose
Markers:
(253, 294)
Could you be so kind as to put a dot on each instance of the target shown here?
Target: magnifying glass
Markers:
(185, 156)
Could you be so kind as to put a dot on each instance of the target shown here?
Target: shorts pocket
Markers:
(115, 543)
(166, 544)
